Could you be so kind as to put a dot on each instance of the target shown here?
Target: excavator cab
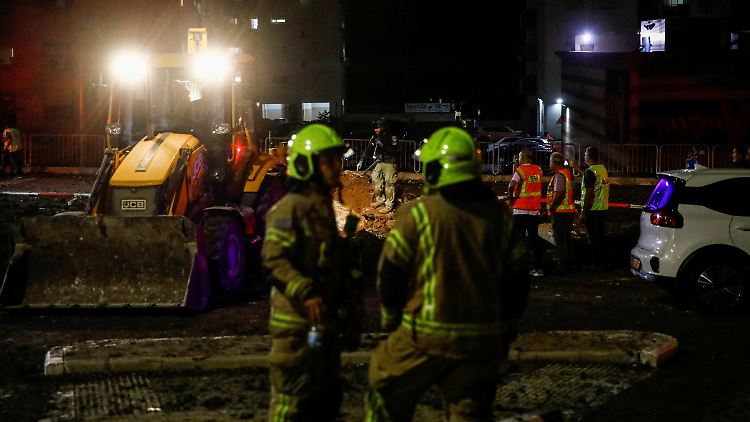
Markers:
(174, 219)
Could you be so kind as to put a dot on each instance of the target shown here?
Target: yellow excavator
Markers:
(173, 220)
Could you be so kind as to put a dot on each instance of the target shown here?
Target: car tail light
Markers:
(671, 219)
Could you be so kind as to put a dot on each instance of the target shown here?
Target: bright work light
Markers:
(129, 66)
(211, 66)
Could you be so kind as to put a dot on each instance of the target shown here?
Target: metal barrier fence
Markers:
(674, 156)
(627, 159)
(64, 150)
(407, 161)
(273, 142)
(721, 155)
(620, 159)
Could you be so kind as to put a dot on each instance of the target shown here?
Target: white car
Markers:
(695, 232)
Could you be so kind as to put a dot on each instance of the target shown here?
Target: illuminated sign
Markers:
(427, 108)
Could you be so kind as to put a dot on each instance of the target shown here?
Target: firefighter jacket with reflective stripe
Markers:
(601, 188)
(304, 255)
(458, 282)
(567, 205)
(529, 192)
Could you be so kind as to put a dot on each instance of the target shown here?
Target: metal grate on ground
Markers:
(568, 388)
(105, 397)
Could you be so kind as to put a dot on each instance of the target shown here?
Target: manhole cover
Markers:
(105, 397)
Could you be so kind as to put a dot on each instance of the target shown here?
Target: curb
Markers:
(622, 347)
(234, 352)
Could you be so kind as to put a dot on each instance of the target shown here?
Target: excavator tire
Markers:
(271, 191)
(225, 251)
(200, 296)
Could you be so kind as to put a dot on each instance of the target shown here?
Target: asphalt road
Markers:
(708, 380)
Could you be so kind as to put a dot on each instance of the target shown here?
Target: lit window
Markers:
(278, 20)
(674, 3)
(254, 23)
(273, 111)
(233, 21)
(314, 111)
(234, 50)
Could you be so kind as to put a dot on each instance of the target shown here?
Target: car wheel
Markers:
(716, 285)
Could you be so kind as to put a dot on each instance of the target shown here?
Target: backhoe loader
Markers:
(173, 220)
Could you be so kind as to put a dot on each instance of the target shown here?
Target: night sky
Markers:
(417, 51)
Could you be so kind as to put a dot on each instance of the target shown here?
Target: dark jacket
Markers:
(384, 147)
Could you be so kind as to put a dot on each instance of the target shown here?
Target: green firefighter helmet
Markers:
(305, 144)
(448, 157)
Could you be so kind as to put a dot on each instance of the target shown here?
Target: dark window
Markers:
(720, 196)
(56, 62)
(574, 4)
(58, 112)
(55, 4)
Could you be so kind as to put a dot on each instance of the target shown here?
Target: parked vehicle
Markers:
(503, 154)
(495, 133)
(695, 235)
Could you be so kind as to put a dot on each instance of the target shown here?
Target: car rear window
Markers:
(662, 194)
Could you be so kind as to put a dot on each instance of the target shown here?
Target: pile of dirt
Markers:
(357, 197)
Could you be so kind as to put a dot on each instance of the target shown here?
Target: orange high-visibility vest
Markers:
(529, 194)
(567, 205)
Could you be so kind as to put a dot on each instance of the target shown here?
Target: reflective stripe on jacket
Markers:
(302, 251)
(460, 262)
(529, 194)
(567, 205)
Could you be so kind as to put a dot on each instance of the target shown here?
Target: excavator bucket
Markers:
(102, 261)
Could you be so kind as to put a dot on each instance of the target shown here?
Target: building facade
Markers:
(54, 75)
(685, 83)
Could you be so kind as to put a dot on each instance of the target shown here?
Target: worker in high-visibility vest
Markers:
(452, 282)
(12, 152)
(561, 208)
(525, 193)
(595, 197)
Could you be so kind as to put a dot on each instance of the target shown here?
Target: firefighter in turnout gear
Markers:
(305, 257)
(452, 282)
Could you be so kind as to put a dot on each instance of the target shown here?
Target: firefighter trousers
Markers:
(307, 387)
(400, 374)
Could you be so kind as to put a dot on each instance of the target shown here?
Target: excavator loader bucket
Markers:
(102, 261)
